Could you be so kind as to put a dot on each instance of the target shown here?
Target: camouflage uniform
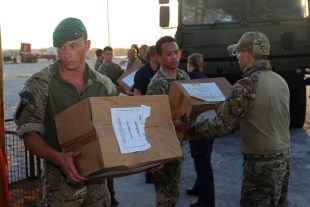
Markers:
(143, 59)
(112, 71)
(57, 192)
(97, 64)
(44, 95)
(132, 63)
(259, 104)
(167, 180)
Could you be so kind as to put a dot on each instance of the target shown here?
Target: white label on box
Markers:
(208, 92)
(128, 124)
(129, 79)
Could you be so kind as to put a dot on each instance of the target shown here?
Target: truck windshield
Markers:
(210, 11)
(276, 10)
(224, 12)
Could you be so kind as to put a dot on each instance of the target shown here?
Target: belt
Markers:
(267, 156)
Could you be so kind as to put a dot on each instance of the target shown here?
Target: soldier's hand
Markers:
(66, 163)
(156, 169)
(180, 123)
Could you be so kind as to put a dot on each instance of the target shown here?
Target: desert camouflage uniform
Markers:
(44, 95)
(264, 137)
(112, 71)
(167, 180)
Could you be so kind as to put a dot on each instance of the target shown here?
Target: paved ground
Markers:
(227, 163)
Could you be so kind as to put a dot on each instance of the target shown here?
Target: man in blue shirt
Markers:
(144, 75)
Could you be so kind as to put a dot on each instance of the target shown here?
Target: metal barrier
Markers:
(24, 170)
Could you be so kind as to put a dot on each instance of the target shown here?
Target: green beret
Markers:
(67, 30)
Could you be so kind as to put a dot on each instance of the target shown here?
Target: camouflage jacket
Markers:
(46, 93)
(161, 82)
(259, 104)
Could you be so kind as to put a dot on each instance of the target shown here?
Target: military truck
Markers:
(9, 56)
(209, 26)
(26, 54)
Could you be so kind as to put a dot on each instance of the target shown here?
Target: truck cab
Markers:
(209, 26)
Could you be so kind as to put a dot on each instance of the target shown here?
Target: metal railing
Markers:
(24, 170)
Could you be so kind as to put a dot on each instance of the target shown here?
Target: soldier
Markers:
(100, 58)
(259, 104)
(53, 89)
(113, 71)
(108, 67)
(167, 178)
(132, 57)
(142, 54)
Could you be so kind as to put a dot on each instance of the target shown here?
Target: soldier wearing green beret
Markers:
(48, 92)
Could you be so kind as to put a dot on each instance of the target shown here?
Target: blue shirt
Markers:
(197, 74)
(143, 77)
(201, 147)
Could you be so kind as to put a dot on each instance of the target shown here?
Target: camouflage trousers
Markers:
(167, 184)
(56, 192)
(265, 180)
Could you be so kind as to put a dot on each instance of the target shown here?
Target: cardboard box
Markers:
(126, 80)
(182, 103)
(87, 127)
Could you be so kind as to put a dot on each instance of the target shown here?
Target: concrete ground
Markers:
(132, 191)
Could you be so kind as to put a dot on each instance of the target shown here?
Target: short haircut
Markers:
(136, 47)
(144, 46)
(151, 52)
(99, 52)
(196, 60)
(107, 48)
(161, 41)
(133, 49)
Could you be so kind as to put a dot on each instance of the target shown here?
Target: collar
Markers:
(180, 75)
(165, 75)
(260, 65)
(89, 77)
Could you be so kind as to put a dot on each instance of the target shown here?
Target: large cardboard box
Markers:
(126, 80)
(182, 103)
(87, 127)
